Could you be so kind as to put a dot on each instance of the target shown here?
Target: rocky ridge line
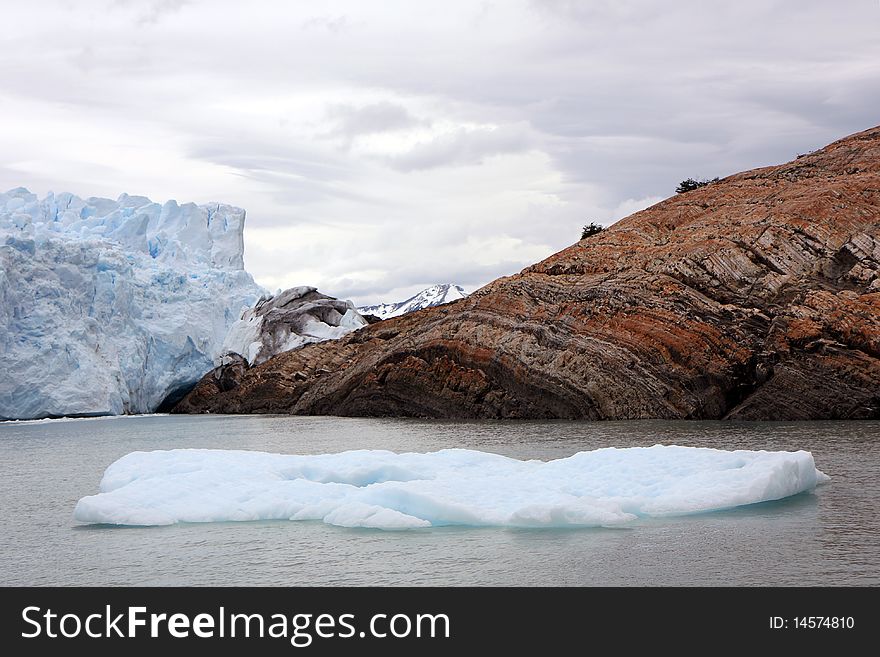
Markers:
(756, 297)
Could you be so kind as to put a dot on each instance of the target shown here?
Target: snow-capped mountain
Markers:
(110, 307)
(435, 295)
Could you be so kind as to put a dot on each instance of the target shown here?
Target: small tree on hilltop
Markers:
(691, 184)
(591, 229)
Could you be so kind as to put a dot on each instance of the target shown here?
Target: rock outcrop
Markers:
(755, 297)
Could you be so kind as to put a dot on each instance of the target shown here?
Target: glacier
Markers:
(386, 490)
(289, 320)
(111, 307)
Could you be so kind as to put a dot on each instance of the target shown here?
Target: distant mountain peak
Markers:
(436, 295)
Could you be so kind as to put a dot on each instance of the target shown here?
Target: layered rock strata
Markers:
(755, 297)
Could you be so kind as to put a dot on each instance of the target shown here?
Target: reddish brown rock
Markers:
(756, 297)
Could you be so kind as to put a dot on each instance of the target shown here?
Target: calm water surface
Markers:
(829, 537)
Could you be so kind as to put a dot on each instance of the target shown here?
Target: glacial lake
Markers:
(828, 537)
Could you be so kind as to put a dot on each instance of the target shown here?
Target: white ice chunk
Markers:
(290, 320)
(381, 489)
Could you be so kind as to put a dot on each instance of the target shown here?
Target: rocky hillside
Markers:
(756, 297)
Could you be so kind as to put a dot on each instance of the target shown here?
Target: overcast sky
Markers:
(380, 147)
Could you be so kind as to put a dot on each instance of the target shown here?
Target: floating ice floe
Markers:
(385, 490)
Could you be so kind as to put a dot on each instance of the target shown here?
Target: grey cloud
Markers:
(470, 278)
(333, 24)
(151, 11)
(353, 121)
(831, 105)
(464, 146)
(599, 12)
(617, 100)
(296, 178)
(300, 196)
(255, 155)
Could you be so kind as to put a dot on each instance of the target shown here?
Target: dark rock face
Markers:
(757, 297)
(230, 372)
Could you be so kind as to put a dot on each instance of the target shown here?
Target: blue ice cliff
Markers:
(110, 307)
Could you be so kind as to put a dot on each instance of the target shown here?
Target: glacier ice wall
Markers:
(109, 307)
(385, 490)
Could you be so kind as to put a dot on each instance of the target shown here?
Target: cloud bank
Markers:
(383, 147)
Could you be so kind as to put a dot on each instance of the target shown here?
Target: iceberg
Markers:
(391, 491)
(111, 307)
